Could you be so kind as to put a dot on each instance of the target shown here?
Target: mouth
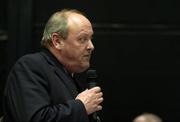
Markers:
(87, 56)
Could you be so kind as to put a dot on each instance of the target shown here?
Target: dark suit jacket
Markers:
(39, 89)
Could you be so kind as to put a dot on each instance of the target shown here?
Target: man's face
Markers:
(78, 46)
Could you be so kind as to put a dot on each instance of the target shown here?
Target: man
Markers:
(40, 86)
(147, 117)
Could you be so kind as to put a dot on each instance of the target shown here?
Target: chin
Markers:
(84, 67)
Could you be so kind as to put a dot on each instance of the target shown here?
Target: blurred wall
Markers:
(3, 48)
(137, 50)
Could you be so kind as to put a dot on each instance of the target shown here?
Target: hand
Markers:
(91, 98)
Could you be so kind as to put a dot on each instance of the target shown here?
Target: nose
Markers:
(90, 45)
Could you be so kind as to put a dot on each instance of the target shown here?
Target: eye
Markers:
(84, 39)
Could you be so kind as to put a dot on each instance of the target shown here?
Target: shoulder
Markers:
(30, 66)
(30, 61)
(31, 58)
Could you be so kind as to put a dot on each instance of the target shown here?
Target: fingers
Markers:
(95, 89)
(99, 107)
(91, 98)
(98, 95)
(99, 100)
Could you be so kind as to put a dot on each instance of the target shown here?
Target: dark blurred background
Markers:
(137, 50)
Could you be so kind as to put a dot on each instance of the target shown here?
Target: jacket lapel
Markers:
(67, 80)
(61, 73)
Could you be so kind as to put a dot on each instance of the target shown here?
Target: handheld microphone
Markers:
(91, 78)
(92, 82)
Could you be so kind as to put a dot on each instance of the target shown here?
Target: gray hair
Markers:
(57, 23)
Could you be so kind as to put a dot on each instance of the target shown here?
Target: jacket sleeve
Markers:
(28, 99)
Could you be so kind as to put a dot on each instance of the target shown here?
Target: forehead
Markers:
(79, 23)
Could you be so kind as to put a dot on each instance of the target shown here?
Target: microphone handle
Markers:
(95, 118)
(94, 115)
(92, 84)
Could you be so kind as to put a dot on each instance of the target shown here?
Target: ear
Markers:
(57, 41)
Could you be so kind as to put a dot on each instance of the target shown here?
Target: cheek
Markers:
(74, 54)
(78, 54)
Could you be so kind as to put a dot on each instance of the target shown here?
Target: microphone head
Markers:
(91, 74)
(91, 78)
